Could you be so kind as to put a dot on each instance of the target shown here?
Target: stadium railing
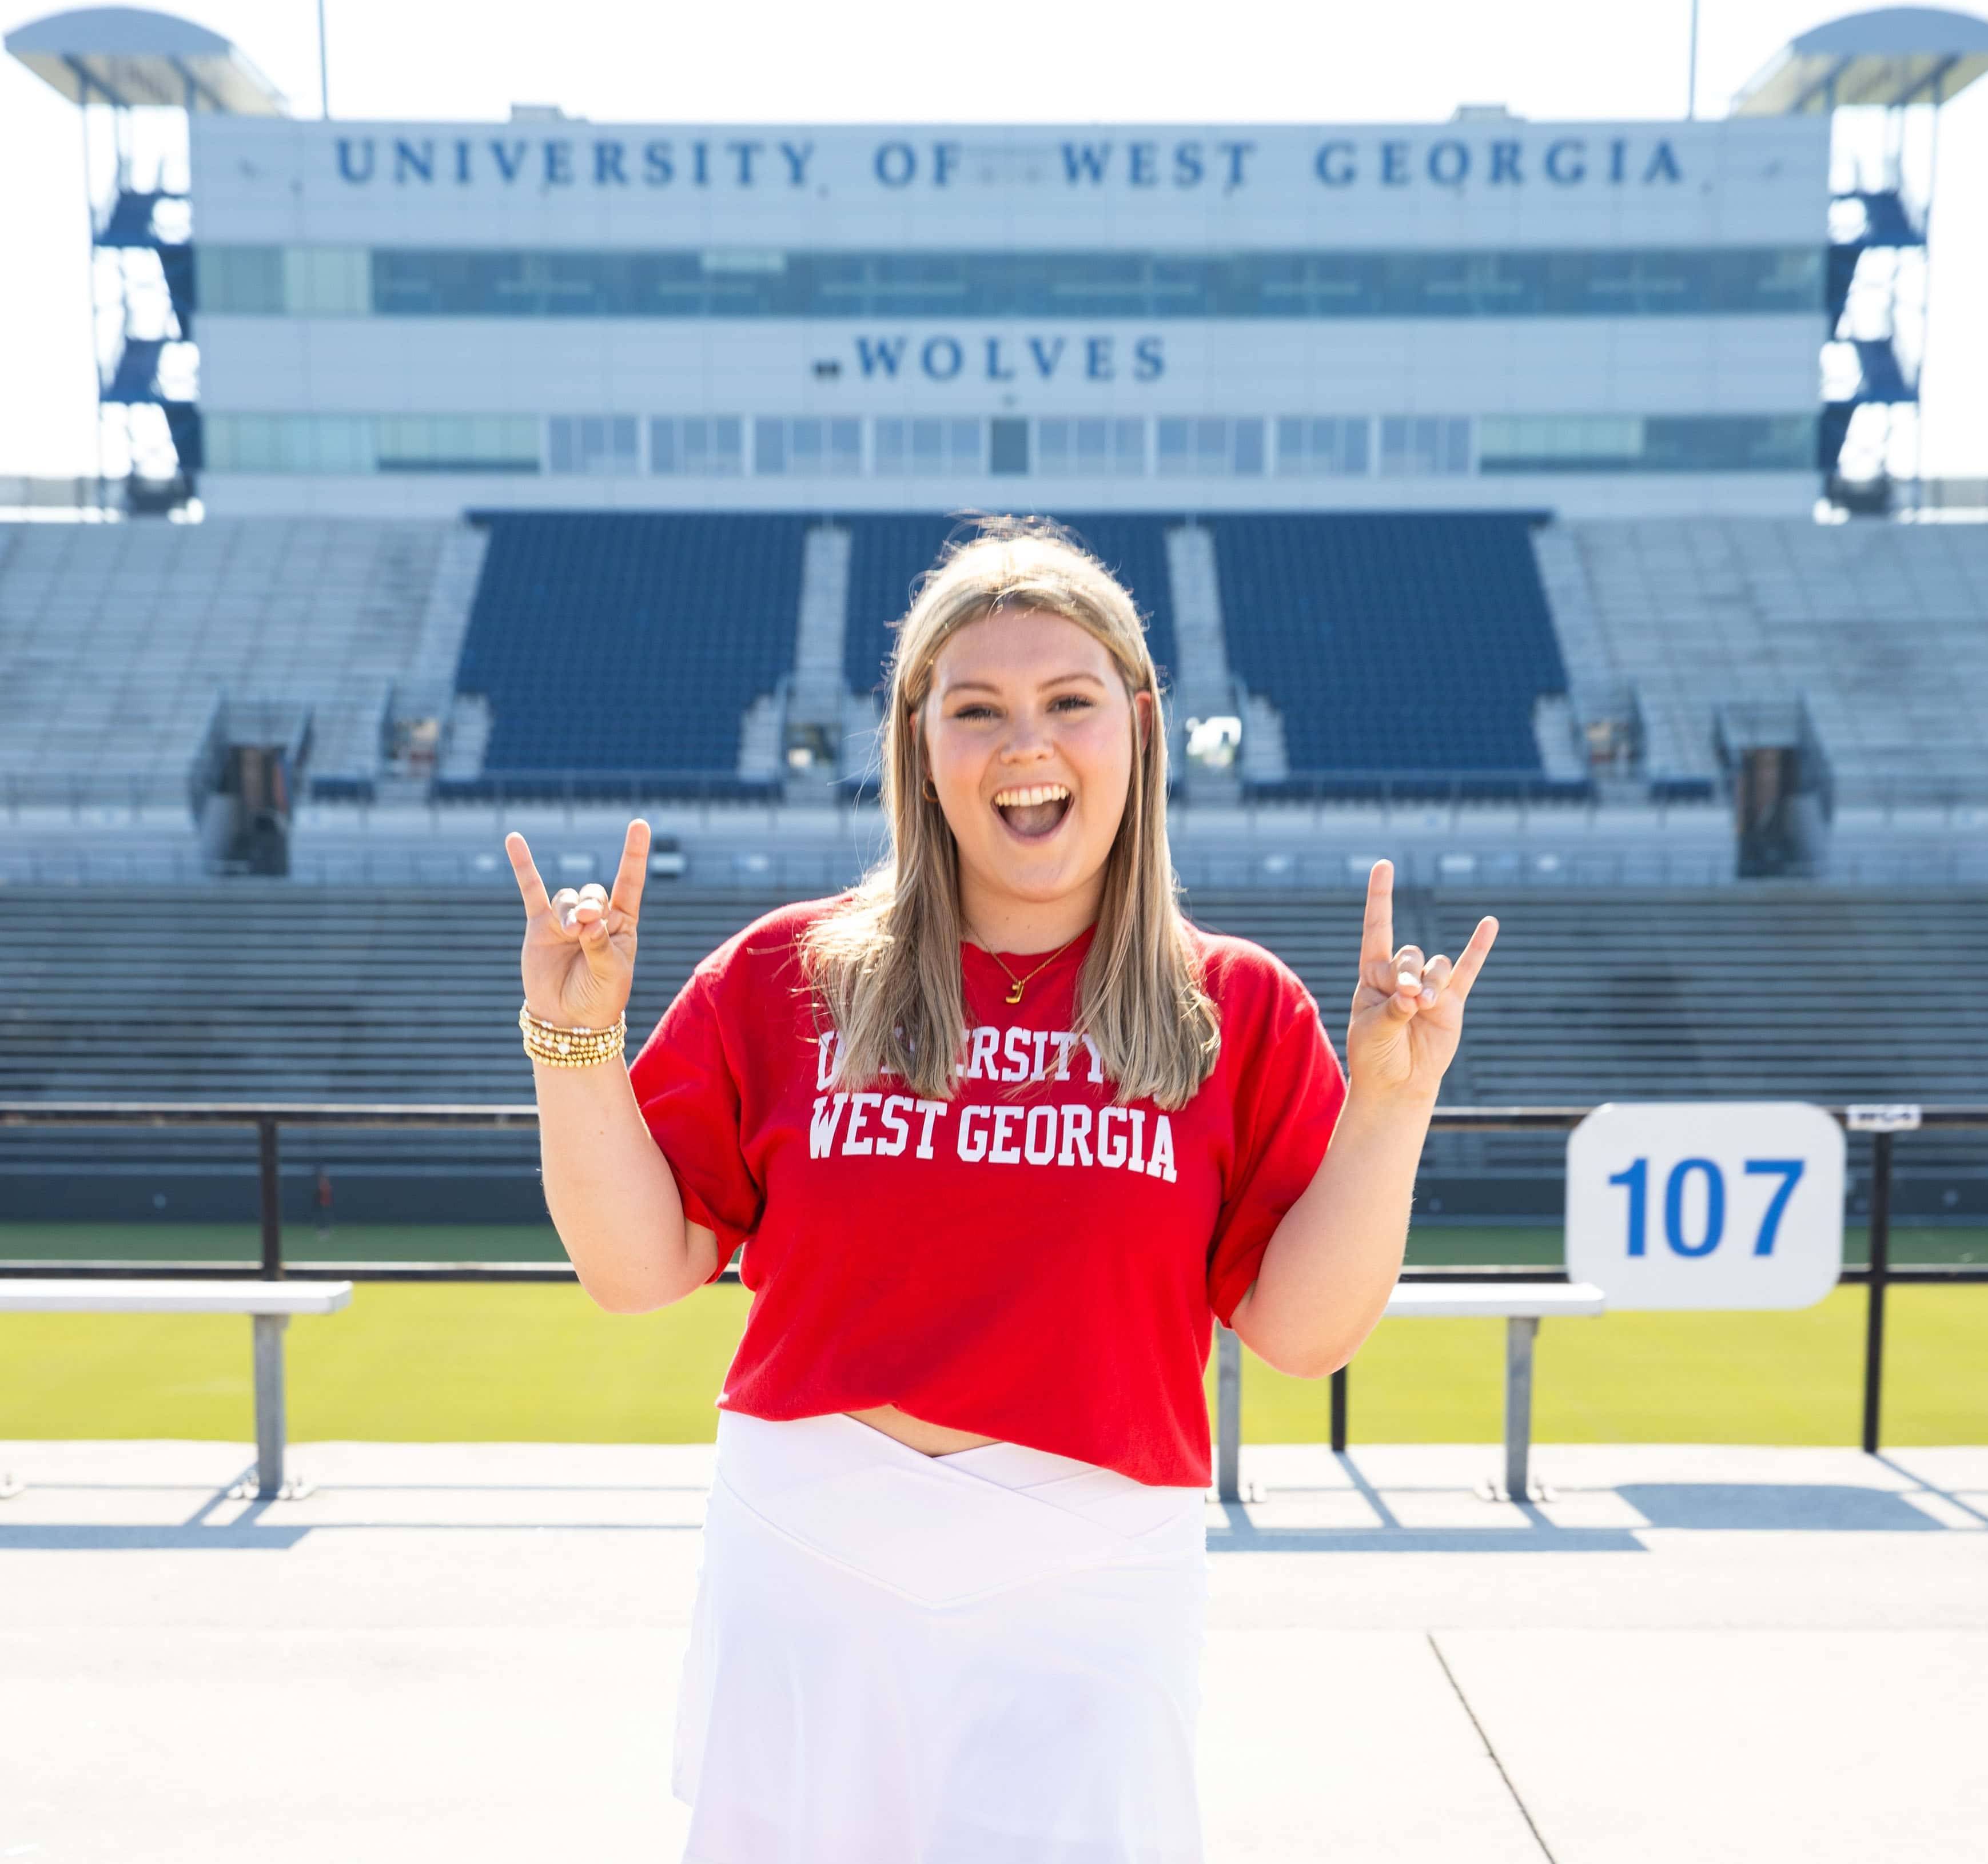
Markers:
(825, 867)
(1455, 788)
(268, 1119)
(18, 493)
(598, 786)
(98, 790)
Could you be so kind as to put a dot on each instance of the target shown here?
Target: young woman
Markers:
(1002, 1135)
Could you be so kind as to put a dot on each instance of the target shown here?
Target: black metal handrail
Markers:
(268, 1117)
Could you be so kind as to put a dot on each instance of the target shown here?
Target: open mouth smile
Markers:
(1032, 811)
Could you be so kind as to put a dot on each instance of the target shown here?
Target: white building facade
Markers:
(1593, 318)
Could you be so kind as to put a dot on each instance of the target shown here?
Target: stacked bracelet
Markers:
(571, 1048)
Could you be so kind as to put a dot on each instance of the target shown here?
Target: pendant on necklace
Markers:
(1015, 995)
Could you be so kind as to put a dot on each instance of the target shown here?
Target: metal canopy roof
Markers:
(1897, 54)
(127, 55)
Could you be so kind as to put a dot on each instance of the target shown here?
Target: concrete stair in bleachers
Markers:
(465, 735)
(1203, 686)
(820, 627)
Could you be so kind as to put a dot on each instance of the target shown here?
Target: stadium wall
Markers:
(1604, 319)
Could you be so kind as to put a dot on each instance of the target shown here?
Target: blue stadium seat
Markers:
(628, 642)
(1399, 648)
(888, 553)
(1393, 642)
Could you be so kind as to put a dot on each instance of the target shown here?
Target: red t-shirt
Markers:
(1024, 1260)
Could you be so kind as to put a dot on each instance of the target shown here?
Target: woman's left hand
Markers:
(1408, 1011)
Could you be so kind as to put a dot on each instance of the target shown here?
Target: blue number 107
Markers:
(1634, 1178)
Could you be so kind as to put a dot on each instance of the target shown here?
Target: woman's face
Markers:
(1029, 735)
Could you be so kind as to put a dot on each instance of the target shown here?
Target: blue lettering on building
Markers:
(1085, 160)
(881, 355)
(942, 358)
(558, 162)
(1449, 163)
(1334, 165)
(1092, 164)
(1238, 153)
(1566, 161)
(1453, 162)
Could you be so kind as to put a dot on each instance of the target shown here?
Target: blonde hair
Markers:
(884, 963)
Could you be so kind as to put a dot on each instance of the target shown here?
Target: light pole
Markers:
(324, 72)
(1690, 82)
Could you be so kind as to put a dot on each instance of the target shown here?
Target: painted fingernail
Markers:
(1406, 982)
(1429, 995)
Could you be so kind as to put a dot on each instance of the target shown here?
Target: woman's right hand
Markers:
(579, 959)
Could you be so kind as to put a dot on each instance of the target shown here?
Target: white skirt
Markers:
(992, 1657)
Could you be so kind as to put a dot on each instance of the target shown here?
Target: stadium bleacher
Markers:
(1879, 631)
(270, 991)
(118, 641)
(1773, 994)
(1403, 646)
(614, 643)
(1721, 993)
(1471, 662)
(1412, 643)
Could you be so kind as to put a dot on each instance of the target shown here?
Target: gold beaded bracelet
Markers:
(571, 1048)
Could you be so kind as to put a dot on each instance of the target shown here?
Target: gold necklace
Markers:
(1015, 995)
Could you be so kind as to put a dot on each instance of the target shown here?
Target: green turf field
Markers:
(482, 1361)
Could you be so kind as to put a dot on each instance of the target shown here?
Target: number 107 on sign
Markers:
(1706, 1204)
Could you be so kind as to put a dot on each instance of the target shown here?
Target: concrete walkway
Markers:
(1687, 1656)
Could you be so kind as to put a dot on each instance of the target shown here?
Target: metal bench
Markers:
(269, 1303)
(1522, 1305)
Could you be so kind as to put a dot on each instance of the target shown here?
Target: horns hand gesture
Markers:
(1408, 1011)
(579, 959)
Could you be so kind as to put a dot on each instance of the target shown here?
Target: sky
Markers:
(1022, 61)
